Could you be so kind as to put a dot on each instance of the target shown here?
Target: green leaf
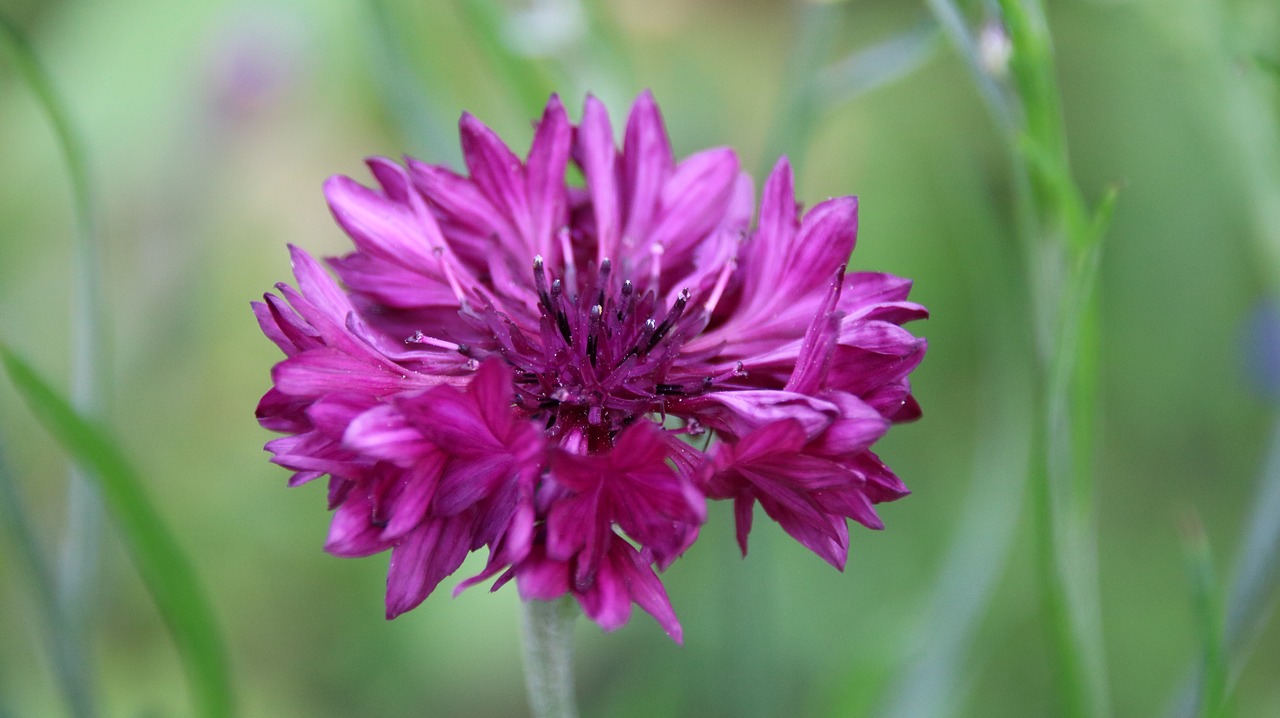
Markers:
(164, 569)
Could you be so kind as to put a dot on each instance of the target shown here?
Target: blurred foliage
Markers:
(210, 126)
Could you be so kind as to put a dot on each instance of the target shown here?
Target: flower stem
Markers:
(548, 657)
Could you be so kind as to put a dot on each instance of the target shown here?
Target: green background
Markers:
(203, 173)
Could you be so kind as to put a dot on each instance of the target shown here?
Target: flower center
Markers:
(601, 356)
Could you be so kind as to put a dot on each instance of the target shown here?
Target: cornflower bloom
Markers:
(539, 368)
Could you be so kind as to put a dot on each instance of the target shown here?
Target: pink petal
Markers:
(597, 155)
(317, 372)
(646, 164)
(738, 413)
(385, 228)
(693, 203)
(495, 170)
(423, 559)
(544, 175)
(391, 284)
(417, 485)
(352, 532)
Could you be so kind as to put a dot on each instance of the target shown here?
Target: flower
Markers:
(540, 368)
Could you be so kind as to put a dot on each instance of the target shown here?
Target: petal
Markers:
(693, 203)
(544, 175)
(293, 328)
(318, 287)
(646, 164)
(270, 327)
(460, 204)
(411, 502)
(779, 218)
(383, 433)
(781, 437)
(881, 483)
(597, 156)
(391, 230)
(467, 481)
(423, 559)
(352, 532)
(786, 261)
(859, 426)
(333, 413)
(391, 284)
(280, 412)
(818, 345)
(645, 588)
(863, 371)
(738, 413)
(824, 534)
(854, 504)
(539, 578)
(317, 372)
(607, 601)
(313, 451)
(495, 169)
(743, 507)
(866, 288)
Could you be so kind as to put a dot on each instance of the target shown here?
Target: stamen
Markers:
(450, 277)
(605, 267)
(628, 300)
(655, 265)
(593, 332)
(673, 316)
(540, 282)
(721, 282)
(557, 307)
(420, 338)
(566, 253)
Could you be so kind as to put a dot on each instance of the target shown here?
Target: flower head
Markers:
(538, 368)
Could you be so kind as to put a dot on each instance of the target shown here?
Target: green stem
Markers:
(548, 657)
(1061, 241)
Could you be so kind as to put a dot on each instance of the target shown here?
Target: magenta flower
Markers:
(537, 368)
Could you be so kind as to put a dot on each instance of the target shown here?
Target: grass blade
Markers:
(1062, 245)
(1257, 580)
(1254, 590)
(1208, 611)
(881, 64)
(89, 369)
(953, 26)
(524, 78)
(166, 572)
(933, 684)
(797, 103)
(406, 95)
(70, 662)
